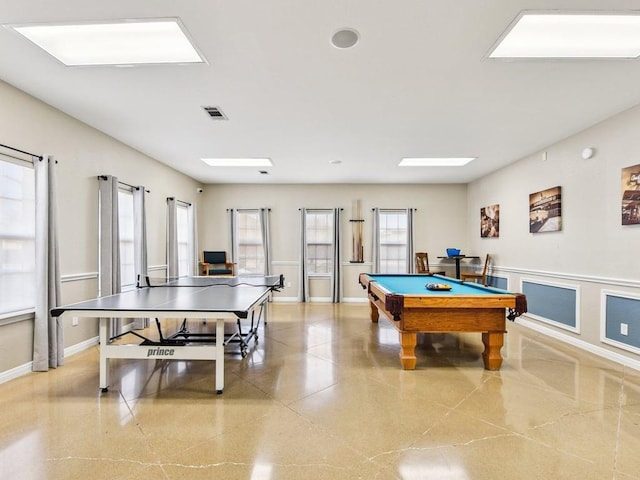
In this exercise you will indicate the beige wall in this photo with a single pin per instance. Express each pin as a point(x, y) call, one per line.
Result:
point(83, 153)
point(593, 251)
point(440, 221)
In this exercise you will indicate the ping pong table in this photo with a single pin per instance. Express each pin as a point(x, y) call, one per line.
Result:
point(214, 298)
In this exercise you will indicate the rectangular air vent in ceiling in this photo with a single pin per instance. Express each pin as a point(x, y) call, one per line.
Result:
point(215, 113)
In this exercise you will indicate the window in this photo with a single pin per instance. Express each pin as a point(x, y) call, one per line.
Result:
point(250, 248)
point(183, 239)
point(125, 226)
point(319, 231)
point(393, 241)
point(17, 237)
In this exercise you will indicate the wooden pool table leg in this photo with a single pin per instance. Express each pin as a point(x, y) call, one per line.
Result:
point(408, 350)
point(374, 312)
point(491, 356)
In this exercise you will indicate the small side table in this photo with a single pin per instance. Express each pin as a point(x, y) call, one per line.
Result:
point(458, 258)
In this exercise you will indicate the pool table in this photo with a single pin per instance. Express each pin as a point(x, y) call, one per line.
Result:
point(466, 307)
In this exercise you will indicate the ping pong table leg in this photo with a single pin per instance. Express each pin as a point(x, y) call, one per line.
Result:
point(104, 361)
point(219, 355)
point(264, 312)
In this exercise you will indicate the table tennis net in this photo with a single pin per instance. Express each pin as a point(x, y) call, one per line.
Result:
point(273, 281)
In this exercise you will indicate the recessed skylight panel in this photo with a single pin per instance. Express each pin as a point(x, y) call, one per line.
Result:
point(568, 35)
point(238, 162)
point(114, 43)
point(435, 162)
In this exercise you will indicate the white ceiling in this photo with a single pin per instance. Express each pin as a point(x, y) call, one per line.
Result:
point(418, 83)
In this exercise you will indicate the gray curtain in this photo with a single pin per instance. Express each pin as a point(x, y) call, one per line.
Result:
point(233, 228)
point(266, 236)
point(109, 268)
point(375, 244)
point(303, 289)
point(48, 342)
point(336, 274)
point(172, 238)
point(410, 241)
point(193, 240)
point(140, 243)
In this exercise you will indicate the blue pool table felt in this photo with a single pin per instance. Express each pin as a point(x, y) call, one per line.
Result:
point(416, 285)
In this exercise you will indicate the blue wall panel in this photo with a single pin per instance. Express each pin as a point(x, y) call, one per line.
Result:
point(497, 282)
point(551, 302)
point(623, 310)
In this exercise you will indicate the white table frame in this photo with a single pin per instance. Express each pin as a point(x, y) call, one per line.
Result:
point(198, 351)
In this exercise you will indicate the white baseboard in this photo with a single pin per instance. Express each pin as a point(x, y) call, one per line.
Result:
point(285, 299)
point(16, 372)
point(355, 300)
point(581, 344)
point(295, 299)
point(320, 299)
point(80, 347)
point(27, 368)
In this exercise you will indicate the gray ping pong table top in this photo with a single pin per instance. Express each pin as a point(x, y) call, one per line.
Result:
point(187, 294)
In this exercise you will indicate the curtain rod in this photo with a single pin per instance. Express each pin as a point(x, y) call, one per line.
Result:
point(339, 208)
point(104, 177)
point(179, 201)
point(133, 186)
point(229, 209)
point(39, 157)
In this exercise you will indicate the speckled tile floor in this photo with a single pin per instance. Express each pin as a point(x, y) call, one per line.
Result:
point(322, 396)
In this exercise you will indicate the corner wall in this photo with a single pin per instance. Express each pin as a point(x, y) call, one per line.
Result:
point(593, 253)
point(83, 153)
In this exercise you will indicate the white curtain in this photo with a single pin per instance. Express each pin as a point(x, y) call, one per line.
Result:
point(303, 289)
point(109, 269)
point(48, 343)
point(375, 254)
point(410, 241)
point(140, 243)
point(173, 257)
point(265, 232)
point(266, 236)
point(336, 274)
point(375, 244)
point(172, 238)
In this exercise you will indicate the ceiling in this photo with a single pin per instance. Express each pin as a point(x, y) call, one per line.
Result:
point(418, 83)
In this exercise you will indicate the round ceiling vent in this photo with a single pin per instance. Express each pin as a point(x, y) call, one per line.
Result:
point(345, 38)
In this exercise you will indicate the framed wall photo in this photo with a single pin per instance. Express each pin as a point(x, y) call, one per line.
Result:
point(545, 210)
point(631, 195)
point(490, 221)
